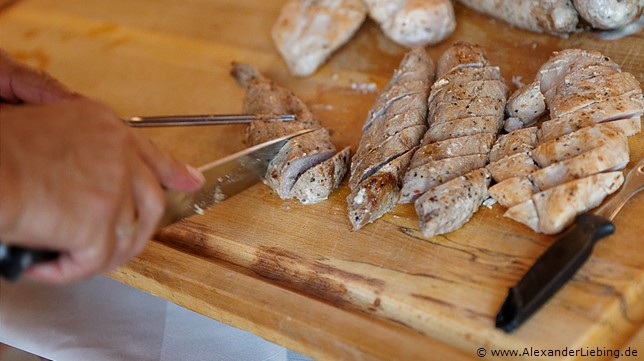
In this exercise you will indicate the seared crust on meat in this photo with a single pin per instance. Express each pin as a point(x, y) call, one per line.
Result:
point(317, 182)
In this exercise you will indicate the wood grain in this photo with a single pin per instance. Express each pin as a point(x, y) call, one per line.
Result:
point(295, 274)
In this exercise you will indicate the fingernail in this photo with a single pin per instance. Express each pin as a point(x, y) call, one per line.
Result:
point(196, 174)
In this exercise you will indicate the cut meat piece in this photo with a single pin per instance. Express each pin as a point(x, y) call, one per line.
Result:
point(526, 104)
point(550, 16)
point(463, 76)
point(609, 14)
point(494, 89)
point(317, 182)
point(520, 140)
point(555, 128)
point(551, 211)
point(471, 144)
point(390, 149)
point(599, 89)
point(448, 206)
point(611, 156)
point(572, 144)
point(515, 165)
point(461, 55)
point(414, 22)
point(479, 107)
point(308, 32)
point(513, 191)
point(412, 79)
point(298, 155)
point(378, 193)
point(462, 127)
point(615, 108)
point(426, 176)
point(263, 96)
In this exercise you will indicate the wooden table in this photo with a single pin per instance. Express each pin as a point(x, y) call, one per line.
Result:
point(295, 274)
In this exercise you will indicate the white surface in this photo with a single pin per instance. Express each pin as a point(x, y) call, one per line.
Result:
point(102, 319)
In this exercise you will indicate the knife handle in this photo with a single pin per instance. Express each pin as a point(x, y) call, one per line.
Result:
point(556, 266)
point(14, 260)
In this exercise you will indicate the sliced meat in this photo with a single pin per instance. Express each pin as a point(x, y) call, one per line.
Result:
point(495, 89)
point(390, 149)
point(609, 14)
point(426, 176)
point(520, 140)
point(298, 155)
point(549, 16)
point(551, 211)
point(526, 105)
point(567, 61)
point(555, 128)
point(377, 194)
point(462, 127)
point(471, 144)
point(317, 182)
point(446, 111)
point(599, 89)
point(513, 191)
point(461, 55)
point(308, 32)
point(414, 22)
point(572, 144)
point(515, 165)
point(447, 207)
point(610, 156)
point(263, 96)
point(462, 76)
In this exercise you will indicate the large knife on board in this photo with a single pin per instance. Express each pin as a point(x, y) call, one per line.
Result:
point(224, 178)
point(565, 256)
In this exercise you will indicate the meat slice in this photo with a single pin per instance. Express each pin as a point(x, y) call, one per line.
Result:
point(513, 190)
point(471, 144)
point(298, 155)
point(520, 140)
point(426, 176)
point(610, 156)
point(377, 194)
point(410, 82)
point(462, 76)
point(599, 89)
point(414, 22)
point(514, 165)
point(449, 206)
point(308, 32)
point(551, 211)
point(446, 111)
point(462, 127)
point(392, 148)
point(317, 182)
point(495, 89)
point(555, 128)
point(550, 16)
point(609, 14)
point(572, 144)
point(526, 105)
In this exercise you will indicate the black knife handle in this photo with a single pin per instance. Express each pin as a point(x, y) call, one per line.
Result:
point(552, 270)
point(15, 260)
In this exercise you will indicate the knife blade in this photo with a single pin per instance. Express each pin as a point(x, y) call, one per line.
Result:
point(224, 178)
point(559, 263)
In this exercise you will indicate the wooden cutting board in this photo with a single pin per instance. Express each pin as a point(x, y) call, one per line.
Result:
point(303, 278)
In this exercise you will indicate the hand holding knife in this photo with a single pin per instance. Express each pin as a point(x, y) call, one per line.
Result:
point(563, 258)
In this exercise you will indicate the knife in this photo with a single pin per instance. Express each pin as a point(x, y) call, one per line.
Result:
point(565, 256)
point(224, 178)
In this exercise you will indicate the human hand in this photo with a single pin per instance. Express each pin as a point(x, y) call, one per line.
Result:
point(75, 179)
